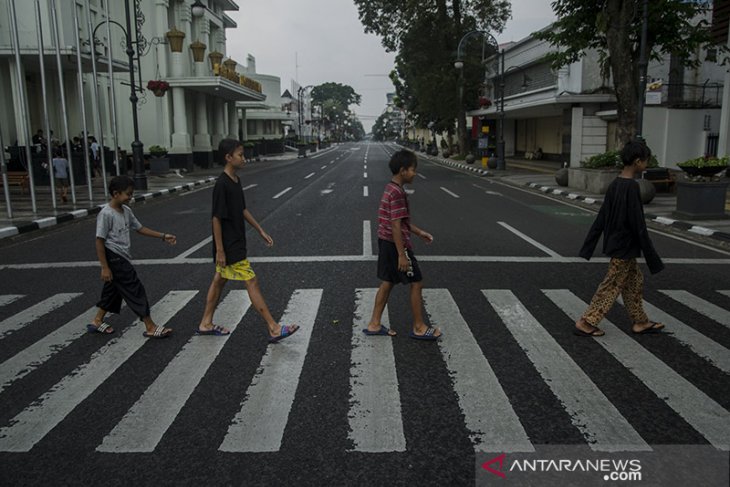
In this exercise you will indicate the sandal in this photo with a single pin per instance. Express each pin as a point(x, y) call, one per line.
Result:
point(103, 328)
point(286, 331)
point(653, 327)
point(160, 332)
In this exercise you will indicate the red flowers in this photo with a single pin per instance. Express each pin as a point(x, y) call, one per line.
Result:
point(485, 102)
point(158, 87)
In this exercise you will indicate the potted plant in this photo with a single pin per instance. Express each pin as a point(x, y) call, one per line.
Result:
point(159, 164)
point(701, 194)
point(158, 87)
point(248, 150)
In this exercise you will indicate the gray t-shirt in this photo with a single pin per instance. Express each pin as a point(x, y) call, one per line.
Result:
point(60, 167)
point(114, 227)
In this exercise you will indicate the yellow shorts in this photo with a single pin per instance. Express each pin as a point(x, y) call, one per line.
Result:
point(239, 271)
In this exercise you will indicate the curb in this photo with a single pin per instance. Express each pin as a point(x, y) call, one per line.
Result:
point(458, 165)
point(662, 220)
point(78, 214)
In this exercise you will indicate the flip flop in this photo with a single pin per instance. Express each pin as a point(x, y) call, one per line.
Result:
point(158, 333)
point(216, 330)
point(384, 331)
point(286, 331)
point(427, 335)
point(92, 328)
point(654, 328)
point(595, 332)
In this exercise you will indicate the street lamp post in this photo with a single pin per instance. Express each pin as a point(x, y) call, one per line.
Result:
point(140, 178)
point(459, 64)
point(300, 106)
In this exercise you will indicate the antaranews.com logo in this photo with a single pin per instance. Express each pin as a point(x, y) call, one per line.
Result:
point(612, 469)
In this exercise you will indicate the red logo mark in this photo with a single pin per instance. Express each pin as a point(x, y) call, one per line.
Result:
point(500, 460)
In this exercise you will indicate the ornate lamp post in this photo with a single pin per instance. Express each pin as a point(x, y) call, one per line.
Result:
point(459, 64)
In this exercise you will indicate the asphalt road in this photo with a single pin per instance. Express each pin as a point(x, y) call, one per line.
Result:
point(327, 407)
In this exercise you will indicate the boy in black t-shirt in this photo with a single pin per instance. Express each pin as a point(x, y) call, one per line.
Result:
point(625, 237)
point(229, 246)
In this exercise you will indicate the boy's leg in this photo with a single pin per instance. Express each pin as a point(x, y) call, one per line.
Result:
point(419, 325)
point(634, 301)
point(381, 299)
point(258, 302)
point(131, 289)
point(110, 301)
point(211, 303)
point(604, 297)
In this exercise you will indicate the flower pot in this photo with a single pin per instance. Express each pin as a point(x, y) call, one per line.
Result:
point(198, 49)
point(159, 165)
point(697, 200)
point(302, 151)
point(706, 171)
point(175, 38)
point(159, 92)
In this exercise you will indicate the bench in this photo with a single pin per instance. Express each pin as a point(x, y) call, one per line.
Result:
point(660, 175)
point(20, 178)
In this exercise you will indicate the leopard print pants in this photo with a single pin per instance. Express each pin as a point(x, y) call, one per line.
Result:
point(623, 276)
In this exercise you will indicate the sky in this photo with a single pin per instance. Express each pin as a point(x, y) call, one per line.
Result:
point(319, 41)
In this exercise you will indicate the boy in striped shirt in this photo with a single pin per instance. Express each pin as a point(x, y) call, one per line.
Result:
point(396, 262)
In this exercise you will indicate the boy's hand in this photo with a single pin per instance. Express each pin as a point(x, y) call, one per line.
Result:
point(220, 258)
point(402, 263)
point(267, 238)
point(427, 237)
point(106, 274)
point(170, 238)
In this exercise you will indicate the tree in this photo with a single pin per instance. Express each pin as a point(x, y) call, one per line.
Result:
point(425, 34)
point(335, 99)
point(613, 28)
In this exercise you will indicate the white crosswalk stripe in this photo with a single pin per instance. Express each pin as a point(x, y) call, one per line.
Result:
point(375, 409)
point(259, 425)
point(702, 306)
point(591, 412)
point(18, 321)
point(35, 421)
point(375, 414)
point(142, 428)
point(490, 418)
point(9, 298)
point(693, 405)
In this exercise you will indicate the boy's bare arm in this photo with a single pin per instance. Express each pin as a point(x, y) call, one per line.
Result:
point(106, 273)
point(252, 221)
point(398, 240)
point(421, 233)
point(220, 253)
point(167, 237)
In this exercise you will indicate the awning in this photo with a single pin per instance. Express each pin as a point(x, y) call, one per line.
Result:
point(217, 86)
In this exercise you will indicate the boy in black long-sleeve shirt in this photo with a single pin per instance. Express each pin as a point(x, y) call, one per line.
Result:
point(625, 237)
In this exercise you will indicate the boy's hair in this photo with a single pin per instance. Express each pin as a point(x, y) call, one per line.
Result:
point(403, 159)
point(227, 146)
point(635, 149)
point(119, 184)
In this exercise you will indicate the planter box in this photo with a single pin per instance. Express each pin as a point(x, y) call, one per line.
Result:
point(302, 151)
point(159, 165)
point(594, 181)
point(701, 200)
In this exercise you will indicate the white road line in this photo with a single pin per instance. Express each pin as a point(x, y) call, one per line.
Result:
point(375, 418)
point(9, 298)
point(365, 191)
point(365, 175)
point(537, 244)
point(449, 192)
point(29, 359)
point(491, 420)
point(324, 167)
point(142, 428)
point(282, 193)
point(250, 186)
point(726, 293)
point(421, 175)
point(590, 411)
point(367, 239)
point(29, 315)
point(38, 419)
point(195, 248)
point(703, 307)
point(259, 425)
point(694, 406)
point(706, 348)
point(309, 175)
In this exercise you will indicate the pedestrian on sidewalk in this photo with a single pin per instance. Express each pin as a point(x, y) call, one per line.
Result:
point(60, 172)
point(113, 248)
point(396, 261)
point(229, 217)
point(625, 237)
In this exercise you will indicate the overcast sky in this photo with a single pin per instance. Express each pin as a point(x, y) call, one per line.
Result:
point(318, 41)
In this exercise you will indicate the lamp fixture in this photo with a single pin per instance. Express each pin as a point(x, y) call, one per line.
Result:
point(198, 9)
point(459, 64)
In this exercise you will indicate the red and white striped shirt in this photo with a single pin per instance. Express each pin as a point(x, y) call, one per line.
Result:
point(394, 206)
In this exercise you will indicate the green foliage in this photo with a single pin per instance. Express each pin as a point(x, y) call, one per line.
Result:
point(606, 160)
point(157, 151)
point(705, 162)
point(336, 99)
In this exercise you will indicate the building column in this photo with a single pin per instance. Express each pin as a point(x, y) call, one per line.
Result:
point(244, 125)
point(219, 122)
point(723, 144)
point(202, 151)
point(232, 120)
point(22, 113)
point(576, 137)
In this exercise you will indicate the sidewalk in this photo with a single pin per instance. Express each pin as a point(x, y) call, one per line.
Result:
point(540, 176)
point(24, 220)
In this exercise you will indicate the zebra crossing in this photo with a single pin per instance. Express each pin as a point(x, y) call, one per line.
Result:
point(375, 414)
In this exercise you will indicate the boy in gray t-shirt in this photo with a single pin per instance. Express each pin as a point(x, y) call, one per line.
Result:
point(113, 248)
